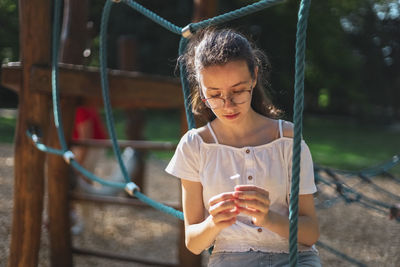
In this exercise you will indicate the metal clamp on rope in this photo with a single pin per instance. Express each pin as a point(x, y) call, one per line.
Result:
point(187, 31)
point(131, 187)
point(35, 133)
point(68, 155)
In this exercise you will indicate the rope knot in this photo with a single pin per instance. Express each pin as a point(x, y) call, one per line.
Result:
point(68, 155)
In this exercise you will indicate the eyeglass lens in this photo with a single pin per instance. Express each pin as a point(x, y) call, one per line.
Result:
point(236, 98)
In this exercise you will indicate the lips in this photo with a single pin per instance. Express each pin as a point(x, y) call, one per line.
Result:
point(231, 116)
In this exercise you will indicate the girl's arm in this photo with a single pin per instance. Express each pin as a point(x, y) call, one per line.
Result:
point(200, 233)
point(308, 230)
point(254, 201)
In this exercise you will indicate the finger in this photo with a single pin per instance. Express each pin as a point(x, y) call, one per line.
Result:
point(222, 207)
point(252, 204)
point(249, 212)
point(221, 197)
point(225, 216)
point(251, 188)
point(227, 223)
point(262, 197)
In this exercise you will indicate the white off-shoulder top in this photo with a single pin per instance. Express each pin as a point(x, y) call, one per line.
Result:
point(268, 166)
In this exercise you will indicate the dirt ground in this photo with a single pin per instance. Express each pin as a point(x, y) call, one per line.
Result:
point(365, 235)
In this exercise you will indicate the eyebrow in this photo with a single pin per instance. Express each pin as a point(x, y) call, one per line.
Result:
point(236, 84)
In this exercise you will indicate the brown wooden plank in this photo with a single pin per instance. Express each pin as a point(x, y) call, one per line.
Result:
point(127, 88)
point(135, 144)
point(11, 76)
point(35, 21)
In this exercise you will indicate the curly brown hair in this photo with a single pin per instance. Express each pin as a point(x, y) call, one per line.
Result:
point(212, 46)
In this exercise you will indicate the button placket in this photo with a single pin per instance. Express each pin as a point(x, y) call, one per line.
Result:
point(248, 166)
point(249, 163)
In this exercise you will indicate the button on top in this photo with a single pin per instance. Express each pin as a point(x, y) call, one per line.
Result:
point(250, 177)
point(259, 230)
point(247, 151)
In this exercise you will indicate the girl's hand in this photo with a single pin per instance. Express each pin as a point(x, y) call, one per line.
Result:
point(253, 201)
point(223, 210)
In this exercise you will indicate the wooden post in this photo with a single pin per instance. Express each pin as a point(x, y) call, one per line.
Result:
point(204, 9)
point(73, 43)
point(58, 187)
point(35, 21)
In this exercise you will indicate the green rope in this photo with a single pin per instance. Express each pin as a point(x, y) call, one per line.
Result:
point(185, 87)
point(153, 16)
point(54, 74)
point(159, 206)
point(238, 13)
point(298, 105)
point(105, 88)
point(109, 117)
point(241, 12)
point(298, 124)
point(374, 171)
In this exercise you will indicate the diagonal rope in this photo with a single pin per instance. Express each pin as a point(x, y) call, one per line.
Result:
point(235, 14)
point(238, 13)
point(298, 124)
point(153, 16)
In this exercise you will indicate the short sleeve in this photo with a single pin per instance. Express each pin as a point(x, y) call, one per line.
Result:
point(307, 183)
point(185, 162)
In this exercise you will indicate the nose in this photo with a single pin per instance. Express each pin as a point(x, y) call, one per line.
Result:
point(229, 102)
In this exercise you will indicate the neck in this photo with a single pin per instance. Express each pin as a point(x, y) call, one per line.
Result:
point(239, 129)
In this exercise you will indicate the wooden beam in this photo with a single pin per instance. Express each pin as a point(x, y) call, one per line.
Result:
point(35, 21)
point(127, 88)
point(11, 76)
point(135, 144)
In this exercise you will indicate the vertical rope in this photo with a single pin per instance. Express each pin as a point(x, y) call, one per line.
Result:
point(298, 125)
point(185, 86)
point(105, 87)
point(54, 74)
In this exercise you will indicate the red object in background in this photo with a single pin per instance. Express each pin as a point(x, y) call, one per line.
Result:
point(89, 114)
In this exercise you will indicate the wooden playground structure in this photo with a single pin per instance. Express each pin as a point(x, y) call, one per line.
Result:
point(79, 86)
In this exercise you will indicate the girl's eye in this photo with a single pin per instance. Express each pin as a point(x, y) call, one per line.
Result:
point(238, 92)
point(213, 96)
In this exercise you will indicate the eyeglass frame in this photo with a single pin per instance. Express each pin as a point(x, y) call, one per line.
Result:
point(230, 98)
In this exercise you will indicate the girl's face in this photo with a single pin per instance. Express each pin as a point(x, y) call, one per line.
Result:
point(231, 82)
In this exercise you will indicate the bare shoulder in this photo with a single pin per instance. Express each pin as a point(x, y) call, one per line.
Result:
point(287, 129)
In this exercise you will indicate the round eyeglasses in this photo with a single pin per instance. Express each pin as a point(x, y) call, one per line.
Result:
point(237, 98)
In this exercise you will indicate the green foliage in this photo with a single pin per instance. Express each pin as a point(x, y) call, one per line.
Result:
point(7, 129)
point(8, 31)
point(349, 144)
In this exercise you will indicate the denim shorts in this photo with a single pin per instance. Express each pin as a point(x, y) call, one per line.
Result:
point(258, 259)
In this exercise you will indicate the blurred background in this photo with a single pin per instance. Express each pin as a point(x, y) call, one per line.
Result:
point(352, 81)
point(351, 119)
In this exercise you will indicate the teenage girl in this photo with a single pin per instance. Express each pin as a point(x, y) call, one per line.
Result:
point(236, 170)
